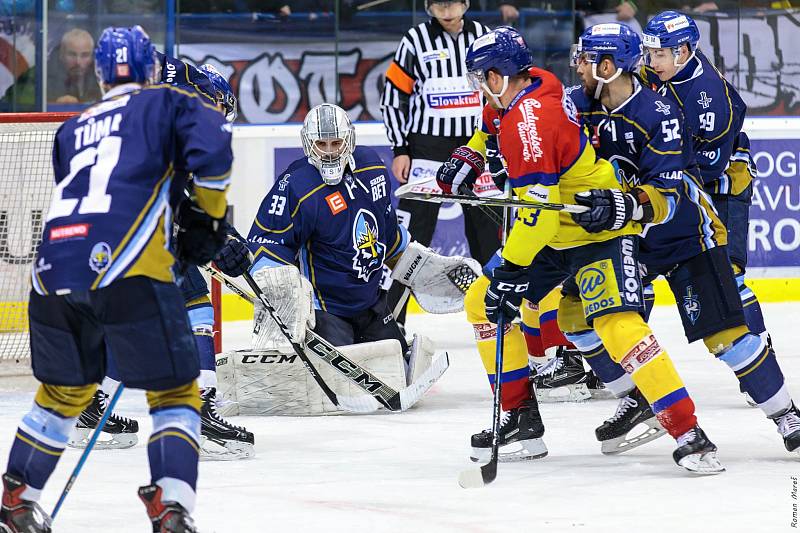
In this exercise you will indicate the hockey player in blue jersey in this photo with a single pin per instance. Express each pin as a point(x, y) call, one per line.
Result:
point(104, 285)
point(219, 438)
point(645, 137)
point(714, 111)
point(330, 213)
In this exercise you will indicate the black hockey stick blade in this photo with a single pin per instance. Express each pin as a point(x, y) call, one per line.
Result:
point(475, 478)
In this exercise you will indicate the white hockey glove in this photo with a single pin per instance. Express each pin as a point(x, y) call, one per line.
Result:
point(292, 297)
point(438, 282)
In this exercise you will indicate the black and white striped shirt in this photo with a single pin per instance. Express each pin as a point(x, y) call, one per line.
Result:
point(427, 91)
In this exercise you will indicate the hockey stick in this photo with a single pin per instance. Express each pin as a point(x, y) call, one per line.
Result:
point(420, 185)
point(356, 405)
point(85, 455)
point(387, 396)
point(487, 201)
point(474, 478)
point(479, 477)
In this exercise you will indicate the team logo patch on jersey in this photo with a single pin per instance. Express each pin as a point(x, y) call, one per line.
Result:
point(100, 257)
point(691, 304)
point(598, 287)
point(625, 170)
point(704, 101)
point(370, 252)
point(336, 202)
point(661, 107)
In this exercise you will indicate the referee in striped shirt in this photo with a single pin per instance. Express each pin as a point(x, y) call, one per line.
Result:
point(429, 110)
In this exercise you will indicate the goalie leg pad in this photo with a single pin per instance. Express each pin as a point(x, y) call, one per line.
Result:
point(292, 297)
point(438, 282)
point(267, 382)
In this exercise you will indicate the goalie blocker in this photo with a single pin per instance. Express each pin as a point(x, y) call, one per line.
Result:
point(268, 382)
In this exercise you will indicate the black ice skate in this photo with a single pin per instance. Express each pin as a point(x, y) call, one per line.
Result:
point(118, 433)
point(521, 431)
point(632, 411)
point(789, 428)
point(596, 387)
point(562, 378)
point(219, 439)
point(18, 515)
point(696, 453)
point(166, 517)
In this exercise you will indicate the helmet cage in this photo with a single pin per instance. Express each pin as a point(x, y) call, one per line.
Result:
point(328, 122)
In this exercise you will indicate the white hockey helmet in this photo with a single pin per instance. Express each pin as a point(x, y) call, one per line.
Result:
point(323, 126)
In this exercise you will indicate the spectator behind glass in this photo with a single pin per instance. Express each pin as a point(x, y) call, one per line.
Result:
point(71, 79)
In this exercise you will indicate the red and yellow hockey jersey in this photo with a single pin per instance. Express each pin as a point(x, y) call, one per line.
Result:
point(549, 159)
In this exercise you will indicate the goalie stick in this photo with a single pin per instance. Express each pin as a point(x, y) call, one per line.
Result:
point(380, 392)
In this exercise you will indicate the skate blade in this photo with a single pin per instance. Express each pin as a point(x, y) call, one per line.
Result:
point(79, 439)
point(228, 450)
point(625, 443)
point(568, 393)
point(705, 464)
point(514, 452)
point(601, 394)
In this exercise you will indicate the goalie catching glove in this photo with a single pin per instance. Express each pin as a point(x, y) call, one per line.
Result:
point(611, 209)
point(438, 282)
point(463, 168)
point(292, 296)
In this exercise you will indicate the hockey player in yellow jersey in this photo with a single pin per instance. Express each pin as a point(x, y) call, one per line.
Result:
point(550, 160)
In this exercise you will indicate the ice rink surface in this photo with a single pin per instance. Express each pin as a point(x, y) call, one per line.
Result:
point(398, 472)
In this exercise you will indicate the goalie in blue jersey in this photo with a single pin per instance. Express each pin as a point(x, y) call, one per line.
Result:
point(103, 285)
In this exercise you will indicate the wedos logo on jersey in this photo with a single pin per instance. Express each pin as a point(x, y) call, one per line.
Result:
point(370, 252)
point(100, 257)
point(528, 131)
point(454, 100)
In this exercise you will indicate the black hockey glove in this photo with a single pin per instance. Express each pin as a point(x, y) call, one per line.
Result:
point(234, 259)
point(507, 287)
point(495, 161)
point(610, 209)
point(199, 236)
point(462, 169)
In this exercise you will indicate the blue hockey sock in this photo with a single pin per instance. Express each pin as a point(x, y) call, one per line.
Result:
point(40, 440)
point(201, 318)
point(752, 309)
point(173, 453)
point(610, 373)
point(757, 369)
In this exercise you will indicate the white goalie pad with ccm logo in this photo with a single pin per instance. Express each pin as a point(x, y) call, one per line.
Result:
point(438, 282)
point(270, 383)
point(291, 295)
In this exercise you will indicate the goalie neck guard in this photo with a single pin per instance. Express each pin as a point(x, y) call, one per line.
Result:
point(322, 128)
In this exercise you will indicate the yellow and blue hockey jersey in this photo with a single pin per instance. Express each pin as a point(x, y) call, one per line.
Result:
point(646, 141)
point(111, 212)
point(339, 235)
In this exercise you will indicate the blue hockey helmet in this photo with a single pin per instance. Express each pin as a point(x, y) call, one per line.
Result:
point(670, 29)
point(124, 55)
point(222, 89)
point(502, 50)
point(616, 40)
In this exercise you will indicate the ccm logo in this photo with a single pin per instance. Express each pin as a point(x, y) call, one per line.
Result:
point(508, 287)
point(336, 202)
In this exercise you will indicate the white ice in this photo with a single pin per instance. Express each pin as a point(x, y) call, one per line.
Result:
point(398, 472)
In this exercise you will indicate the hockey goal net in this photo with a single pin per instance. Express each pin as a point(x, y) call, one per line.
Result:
point(26, 184)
